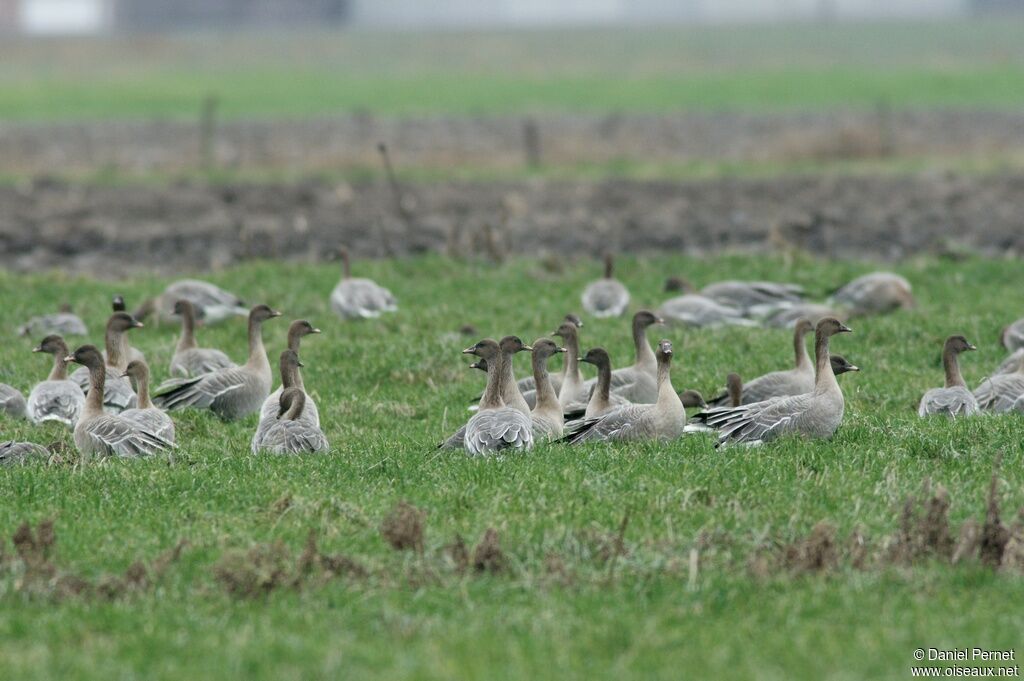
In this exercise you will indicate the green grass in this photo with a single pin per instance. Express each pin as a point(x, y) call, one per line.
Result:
point(956, 64)
point(388, 390)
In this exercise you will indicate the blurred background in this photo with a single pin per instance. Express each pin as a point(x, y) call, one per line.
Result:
point(198, 133)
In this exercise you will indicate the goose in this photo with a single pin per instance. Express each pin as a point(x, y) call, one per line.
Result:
point(637, 383)
point(875, 293)
point(1012, 336)
point(841, 365)
point(101, 434)
point(212, 304)
point(692, 399)
point(146, 416)
point(546, 416)
point(270, 411)
point(694, 309)
point(63, 323)
point(359, 298)
point(12, 452)
point(815, 414)
point(602, 399)
point(663, 420)
point(291, 376)
point(119, 395)
point(1011, 363)
point(813, 312)
point(129, 353)
point(117, 303)
point(56, 398)
point(572, 390)
point(12, 402)
point(998, 392)
point(606, 297)
point(510, 394)
point(954, 399)
point(495, 427)
point(754, 298)
point(232, 393)
point(795, 381)
point(189, 359)
point(1018, 406)
point(527, 385)
point(291, 433)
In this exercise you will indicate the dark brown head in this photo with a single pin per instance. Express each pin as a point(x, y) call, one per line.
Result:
point(545, 347)
point(803, 326)
point(513, 344)
point(53, 345)
point(692, 399)
point(830, 326)
point(117, 303)
point(290, 360)
point(566, 330)
point(678, 285)
point(598, 357)
point(138, 370)
point(574, 320)
point(122, 321)
point(480, 364)
point(958, 344)
point(261, 313)
point(645, 318)
point(840, 365)
point(300, 328)
point(87, 355)
point(292, 400)
point(609, 266)
point(183, 307)
point(487, 349)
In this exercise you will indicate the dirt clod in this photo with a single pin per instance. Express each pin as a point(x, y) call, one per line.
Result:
point(404, 528)
point(488, 556)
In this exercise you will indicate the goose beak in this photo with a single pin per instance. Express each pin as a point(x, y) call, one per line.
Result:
point(843, 328)
point(301, 364)
point(854, 367)
point(561, 350)
point(69, 358)
point(528, 348)
point(137, 324)
point(659, 320)
point(124, 375)
point(38, 348)
point(469, 351)
point(972, 347)
point(275, 313)
point(316, 330)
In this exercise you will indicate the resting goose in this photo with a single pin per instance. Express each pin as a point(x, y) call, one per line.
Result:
point(875, 293)
point(572, 389)
point(63, 323)
point(1012, 336)
point(527, 385)
point(954, 399)
point(510, 394)
point(129, 353)
point(606, 297)
point(56, 398)
point(815, 414)
point(999, 392)
point(795, 381)
point(102, 434)
point(119, 394)
point(291, 377)
point(637, 383)
point(232, 393)
point(212, 304)
point(359, 298)
point(291, 433)
point(694, 309)
point(1011, 363)
point(12, 402)
point(189, 359)
point(754, 298)
point(495, 427)
point(602, 399)
point(663, 420)
point(813, 312)
point(546, 416)
point(146, 416)
point(20, 452)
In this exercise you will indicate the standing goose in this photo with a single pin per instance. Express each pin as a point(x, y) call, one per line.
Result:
point(954, 399)
point(291, 433)
point(572, 389)
point(795, 381)
point(56, 398)
point(815, 414)
point(102, 434)
point(12, 402)
point(212, 304)
point(754, 298)
point(146, 416)
point(694, 309)
point(231, 393)
point(270, 411)
point(119, 394)
point(63, 323)
point(21, 452)
point(1012, 336)
point(359, 298)
point(875, 293)
point(606, 297)
point(546, 417)
point(495, 427)
point(663, 420)
point(189, 359)
point(998, 393)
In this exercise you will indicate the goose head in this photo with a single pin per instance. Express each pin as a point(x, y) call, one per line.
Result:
point(574, 320)
point(545, 347)
point(959, 344)
point(88, 356)
point(117, 303)
point(830, 326)
point(565, 331)
point(513, 344)
point(261, 313)
point(136, 369)
point(480, 364)
point(691, 399)
point(664, 349)
point(122, 321)
point(182, 307)
point(300, 327)
point(53, 345)
point(487, 349)
point(597, 356)
point(645, 318)
point(679, 285)
point(841, 365)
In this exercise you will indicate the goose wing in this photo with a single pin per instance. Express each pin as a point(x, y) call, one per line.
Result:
point(956, 401)
point(201, 391)
point(629, 422)
point(117, 436)
point(17, 452)
point(760, 421)
point(199, 361)
point(12, 401)
point(293, 437)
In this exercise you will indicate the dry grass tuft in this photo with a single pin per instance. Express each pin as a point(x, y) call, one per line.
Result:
point(404, 528)
point(488, 556)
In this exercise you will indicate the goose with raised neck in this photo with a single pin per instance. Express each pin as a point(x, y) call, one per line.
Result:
point(546, 416)
point(663, 420)
point(602, 399)
point(358, 297)
point(125, 351)
point(291, 432)
point(190, 360)
point(290, 366)
point(953, 399)
point(637, 383)
point(572, 389)
point(795, 381)
point(606, 297)
point(510, 394)
point(527, 385)
point(56, 398)
point(816, 414)
point(495, 427)
point(146, 416)
point(118, 394)
point(231, 393)
point(98, 433)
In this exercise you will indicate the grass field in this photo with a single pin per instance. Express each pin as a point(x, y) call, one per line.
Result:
point(562, 607)
point(977, 63)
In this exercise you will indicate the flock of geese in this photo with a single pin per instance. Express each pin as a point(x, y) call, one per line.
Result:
point(107, 399)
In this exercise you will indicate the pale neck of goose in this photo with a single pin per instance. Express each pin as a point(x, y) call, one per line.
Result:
point(492, 394)
point(59, 372)
point(117, 349)
point(346, 266)
point(802, 359)
point(97, 382)
point(601, 398)
point(295, 410)
point(666, 393)
point(257, 352)
point(141, 385)
point(645, 358)
point(951, 364)
point(294, 341)
point(187, 340)
point(547, 400)
point(825, 380)
point(571, 367)
point(510, 393)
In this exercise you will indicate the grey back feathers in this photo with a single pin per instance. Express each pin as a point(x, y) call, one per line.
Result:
point(606, 297)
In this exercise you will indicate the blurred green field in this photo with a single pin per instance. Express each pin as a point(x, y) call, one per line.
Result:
point(388, 390)
point(976, 63)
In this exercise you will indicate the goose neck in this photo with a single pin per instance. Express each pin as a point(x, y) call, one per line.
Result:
point(546, 398)
point(802, 360)
point(187, 340)
point(492, 394)
point(59, 372)
point(951, 365)
point(825, 379)
point(644, 355)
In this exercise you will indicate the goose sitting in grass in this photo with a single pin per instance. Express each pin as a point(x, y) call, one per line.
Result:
point(56, 398)
point(1012, 337)
point(359, 298)
point(954, 399)
point(290, 433)
point(637, 383)
point(12, 402)
point(875, 293)
point(546, 416)
point(999, 392)
point(189, 359)
point(212, 304)
point(754, 298)
point(785, 318)
point(816, 414)
point(146, 416)
point(118, 391)
point(795, 381)
point(694, 309)
point(663, 420)
point(495, 427)
point(12, 452)
point(63, 323)
point(291, 375)
point(606, 297)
